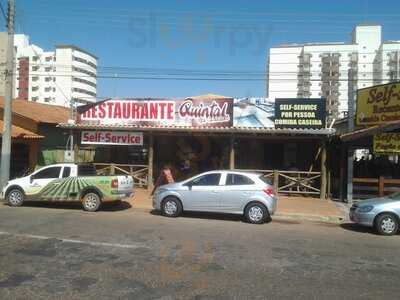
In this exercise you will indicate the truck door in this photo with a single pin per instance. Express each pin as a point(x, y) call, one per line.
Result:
point(44, 182)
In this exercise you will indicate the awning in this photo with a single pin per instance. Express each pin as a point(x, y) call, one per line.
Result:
point(21, 133)
point(370, 131)
point(262, 130)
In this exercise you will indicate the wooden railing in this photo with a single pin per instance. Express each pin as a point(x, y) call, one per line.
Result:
point(370, 187)
point(138, 172)
point(293, 182)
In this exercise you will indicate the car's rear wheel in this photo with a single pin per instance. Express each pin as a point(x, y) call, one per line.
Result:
point(387, 224)
point(171, 207)
point(91, 202)
point(256, 213)
point(15, 197)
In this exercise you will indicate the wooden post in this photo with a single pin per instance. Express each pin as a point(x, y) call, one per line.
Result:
point(341, 174)
point(232, 153)
point(33, 153)
point(76, 147)
point(381, 187)
point(349, 174)
point(112, 169)
point(328, 192)
point(323, 171)
point(150, 183)
point(276, 181)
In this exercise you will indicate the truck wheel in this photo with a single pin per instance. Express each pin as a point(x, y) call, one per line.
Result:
point(15, 197)
point(91, 202)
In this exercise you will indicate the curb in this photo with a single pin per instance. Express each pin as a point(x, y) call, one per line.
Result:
point(333, 219)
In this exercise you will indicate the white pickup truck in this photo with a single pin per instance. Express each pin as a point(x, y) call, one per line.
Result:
point(68, 182)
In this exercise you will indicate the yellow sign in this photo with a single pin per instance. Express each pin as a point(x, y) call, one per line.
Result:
point(378, 104)
point(387, 143)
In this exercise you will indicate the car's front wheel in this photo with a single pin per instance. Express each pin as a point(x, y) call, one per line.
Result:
point(171, 207)
point(387, 224)
point(15, 197)
point(91, 202)
point(256, 213)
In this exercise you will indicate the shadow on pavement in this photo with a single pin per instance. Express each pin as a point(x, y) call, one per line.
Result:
point(209, 216)
point(357, 228)
point(111, 206)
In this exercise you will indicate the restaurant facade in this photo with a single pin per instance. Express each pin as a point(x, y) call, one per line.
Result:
point(285, 141)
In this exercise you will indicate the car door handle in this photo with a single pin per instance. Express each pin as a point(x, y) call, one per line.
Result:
point(215, 192)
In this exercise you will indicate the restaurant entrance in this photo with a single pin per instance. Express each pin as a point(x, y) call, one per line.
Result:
point(189, 155)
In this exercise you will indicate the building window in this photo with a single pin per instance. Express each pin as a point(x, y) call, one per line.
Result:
point(35, 78)
point(47, 69)
point(82, 91)
point(76, 69)
point(35, 58)
point(47, 79)
point(48, 58)
point(84, 81)
point(35, 68)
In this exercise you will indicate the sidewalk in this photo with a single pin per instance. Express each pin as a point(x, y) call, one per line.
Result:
point(293, 208)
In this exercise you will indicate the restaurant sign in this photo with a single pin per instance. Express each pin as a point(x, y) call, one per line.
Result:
point(112, 137)
point(378, 104)
point(300, 113)
point(210, 112)
point(387, 143)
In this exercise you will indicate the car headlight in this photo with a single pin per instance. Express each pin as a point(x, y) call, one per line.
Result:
point(159, 191)
point(365, 209)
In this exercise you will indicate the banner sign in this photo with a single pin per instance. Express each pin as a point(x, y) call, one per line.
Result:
point(300, 113)
point(112, 137)
point(378, 104)
point(387, 143)
point(194, 112)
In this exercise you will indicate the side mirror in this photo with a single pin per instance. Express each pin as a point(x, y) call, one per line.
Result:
point(189, 185)
point(30, 179)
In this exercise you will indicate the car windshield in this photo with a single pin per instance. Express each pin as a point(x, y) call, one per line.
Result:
point(395, 196)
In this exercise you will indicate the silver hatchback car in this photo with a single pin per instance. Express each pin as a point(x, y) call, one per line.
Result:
point(234, 192)
point(381, 213)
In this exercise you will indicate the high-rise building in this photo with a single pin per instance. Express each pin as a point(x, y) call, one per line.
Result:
point(333, 70)
point(66, 76)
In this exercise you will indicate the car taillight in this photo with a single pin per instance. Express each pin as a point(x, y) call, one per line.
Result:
point(114, 183)
point(269, 191)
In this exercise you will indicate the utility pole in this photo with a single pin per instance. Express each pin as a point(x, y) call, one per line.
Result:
point(350, 128)
point(8, 93)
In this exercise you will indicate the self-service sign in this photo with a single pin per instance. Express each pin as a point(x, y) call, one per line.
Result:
point(112, 137)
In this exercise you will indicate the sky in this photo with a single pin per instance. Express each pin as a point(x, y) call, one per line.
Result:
point(180, 48)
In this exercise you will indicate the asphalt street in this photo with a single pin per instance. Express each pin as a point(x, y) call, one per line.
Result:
point(62, 252)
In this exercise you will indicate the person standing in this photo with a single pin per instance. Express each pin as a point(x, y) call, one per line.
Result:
point(165, 177)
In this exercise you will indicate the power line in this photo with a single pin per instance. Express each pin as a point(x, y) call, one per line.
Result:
point(122, 11)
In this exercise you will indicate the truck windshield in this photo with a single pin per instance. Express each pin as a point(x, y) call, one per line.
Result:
point(86, 170)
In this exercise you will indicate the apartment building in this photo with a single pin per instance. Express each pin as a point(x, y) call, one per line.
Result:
point(64, 77)
point(333, 71)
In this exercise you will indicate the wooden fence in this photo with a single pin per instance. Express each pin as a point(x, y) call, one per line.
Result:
point(138, 172)
point(372, 187)
point(293, 182)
